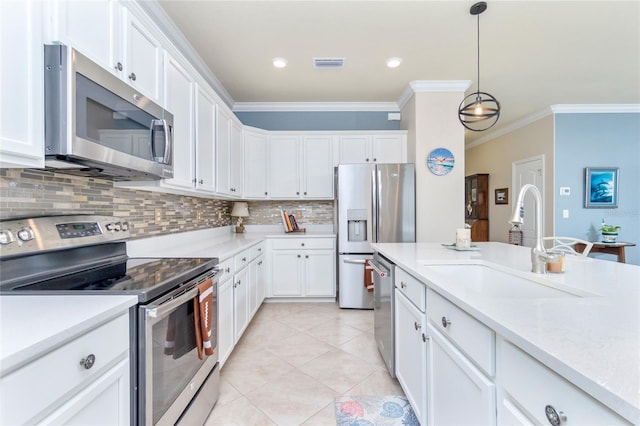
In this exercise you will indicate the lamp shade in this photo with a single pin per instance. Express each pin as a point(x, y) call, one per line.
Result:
point(240, 209)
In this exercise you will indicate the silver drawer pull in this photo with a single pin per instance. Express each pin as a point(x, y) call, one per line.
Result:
point(417, 326)
point(88, 362)
point(555, 418)
point(445, 322)
point(402, 284)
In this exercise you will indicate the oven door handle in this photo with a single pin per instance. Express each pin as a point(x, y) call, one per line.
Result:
point(379, 269)
point(159, 310)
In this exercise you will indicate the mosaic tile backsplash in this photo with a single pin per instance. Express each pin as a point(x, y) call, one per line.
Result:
point(28, 193)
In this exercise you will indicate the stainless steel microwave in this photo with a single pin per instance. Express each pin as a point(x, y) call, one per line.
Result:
point(97, 125)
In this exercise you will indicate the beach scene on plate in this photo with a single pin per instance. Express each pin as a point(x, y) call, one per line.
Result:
point(440, 161)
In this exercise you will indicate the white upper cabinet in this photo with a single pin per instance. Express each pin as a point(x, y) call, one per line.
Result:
point(301, 166)
point(236, 160)
point(22, 59)
point(179, 101)
point(380, 147)
point(256, 166)
point(143, 59)
point(284, 166)
point(205, 140)
point(110, 35)
point(228, 153)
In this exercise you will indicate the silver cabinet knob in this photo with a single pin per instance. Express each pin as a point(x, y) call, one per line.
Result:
point(244, 259)
point(555, 418)
point(417, 326)
point(265, 193)
point(88, 362)
point(424, 337)
point(132, 76)
point(118, 66)
point(298, 256)
point(402, 284)
point(367, 159)
point(375, 159)
point(297, 192)
point(201, 181)
point(445, 322)
point(306, 256)
point(305, 192)
point(227, 269)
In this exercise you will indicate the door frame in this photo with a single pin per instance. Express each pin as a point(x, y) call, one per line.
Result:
point(541, 188)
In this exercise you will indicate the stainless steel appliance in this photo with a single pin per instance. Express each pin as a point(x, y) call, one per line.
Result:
point(97, 125)
point(383, 311)
point(69, 254)
point(375, 203)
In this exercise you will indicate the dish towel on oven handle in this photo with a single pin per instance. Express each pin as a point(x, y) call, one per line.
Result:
point(203, 309)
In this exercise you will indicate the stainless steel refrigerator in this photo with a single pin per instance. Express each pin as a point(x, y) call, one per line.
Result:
point(375, 203)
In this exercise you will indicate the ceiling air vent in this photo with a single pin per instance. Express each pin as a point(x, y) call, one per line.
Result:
point(328, 62)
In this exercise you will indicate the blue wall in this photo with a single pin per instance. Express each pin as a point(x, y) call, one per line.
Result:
point(598, 140)
point(319, 120)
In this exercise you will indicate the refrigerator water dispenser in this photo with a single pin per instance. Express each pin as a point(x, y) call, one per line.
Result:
point(357, 225)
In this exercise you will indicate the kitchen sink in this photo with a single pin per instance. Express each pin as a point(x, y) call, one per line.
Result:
point(489, 282)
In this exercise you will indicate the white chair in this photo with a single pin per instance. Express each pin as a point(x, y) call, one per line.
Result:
point(567, 245)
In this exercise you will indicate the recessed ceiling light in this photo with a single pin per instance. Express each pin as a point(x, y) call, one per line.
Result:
point(279, 62)
point(394, 62)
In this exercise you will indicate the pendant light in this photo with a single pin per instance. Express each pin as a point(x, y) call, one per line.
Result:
point(479, 111)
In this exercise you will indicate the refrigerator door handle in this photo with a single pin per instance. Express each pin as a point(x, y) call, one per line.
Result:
point(375, 207)
point(355, 261)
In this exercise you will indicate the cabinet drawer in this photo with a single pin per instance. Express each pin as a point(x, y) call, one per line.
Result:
point(228, 268)
point(475, 339)
point(411, 287)
point(242, 259)
point(50, 380)
point(257, 250)
point(302, 243)
point(534, 387)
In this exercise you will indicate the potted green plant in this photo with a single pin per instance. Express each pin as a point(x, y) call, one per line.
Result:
point(609, 233)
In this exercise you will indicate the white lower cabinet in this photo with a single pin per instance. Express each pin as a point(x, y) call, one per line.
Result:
point(530, 393)
point(459, 393)
point(74, 392)
point(225, 311)
point(303, 267)
point(411, 353)
point(257, 281)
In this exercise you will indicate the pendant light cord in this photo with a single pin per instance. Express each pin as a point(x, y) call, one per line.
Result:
point(478, 52)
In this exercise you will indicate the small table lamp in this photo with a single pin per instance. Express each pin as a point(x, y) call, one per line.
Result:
point(240, 210)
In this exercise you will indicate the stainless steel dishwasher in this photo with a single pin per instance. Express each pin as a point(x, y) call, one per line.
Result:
point(383, 311)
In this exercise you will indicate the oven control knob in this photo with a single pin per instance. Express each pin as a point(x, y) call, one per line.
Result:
point(111, 227)
point(6, 237)
point(117, 226)
point(125, 226)
point(25, 234)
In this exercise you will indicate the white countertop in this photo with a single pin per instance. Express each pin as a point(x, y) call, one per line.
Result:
point(33, 325)
point(216, 242)
point(593, 341)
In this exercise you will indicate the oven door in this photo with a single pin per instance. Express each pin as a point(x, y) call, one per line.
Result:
point(170, 371)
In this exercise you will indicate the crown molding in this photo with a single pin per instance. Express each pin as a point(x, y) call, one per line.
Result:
point(510, 128)
point(595, 108)
point(315, 106)
point(432, 86)
point(175, 36)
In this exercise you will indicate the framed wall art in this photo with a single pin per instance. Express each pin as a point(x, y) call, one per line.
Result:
point(601, 187)
point(502, 195)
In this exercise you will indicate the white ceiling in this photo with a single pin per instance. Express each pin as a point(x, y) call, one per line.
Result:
point(533, 54)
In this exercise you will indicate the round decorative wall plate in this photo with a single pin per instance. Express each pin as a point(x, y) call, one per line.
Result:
point(440, 161)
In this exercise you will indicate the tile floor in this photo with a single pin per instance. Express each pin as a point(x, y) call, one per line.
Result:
point(293, 360)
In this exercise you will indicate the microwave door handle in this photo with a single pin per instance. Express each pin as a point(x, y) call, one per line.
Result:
point(168, 141)
point(159, 310)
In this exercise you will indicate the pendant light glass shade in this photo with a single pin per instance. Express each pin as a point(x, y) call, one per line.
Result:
point(479, 111)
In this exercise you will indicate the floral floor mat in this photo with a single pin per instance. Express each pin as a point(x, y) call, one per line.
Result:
point(390, 410)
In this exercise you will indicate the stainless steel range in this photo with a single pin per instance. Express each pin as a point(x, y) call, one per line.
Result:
point(173, 380)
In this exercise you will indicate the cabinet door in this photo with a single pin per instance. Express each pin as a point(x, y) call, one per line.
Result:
point(105, 401)
point(236, 160)
point(92, 27)
point(179, 101)
point(223, 150)
point(143, 63)
point(453, 381)
point(284, 167)
point(21, 112)
point(411, 353)
point(319, 273)
point(205, 141)
point(261, 280)
point(388, 149)
point(286, 277)
point(354, 149)
point(256, 151)
point(225, 319)
point(317, 167)
point(241, 303)
point(252, 297)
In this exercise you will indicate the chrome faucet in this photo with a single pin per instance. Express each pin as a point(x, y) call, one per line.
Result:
point(539, 256)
